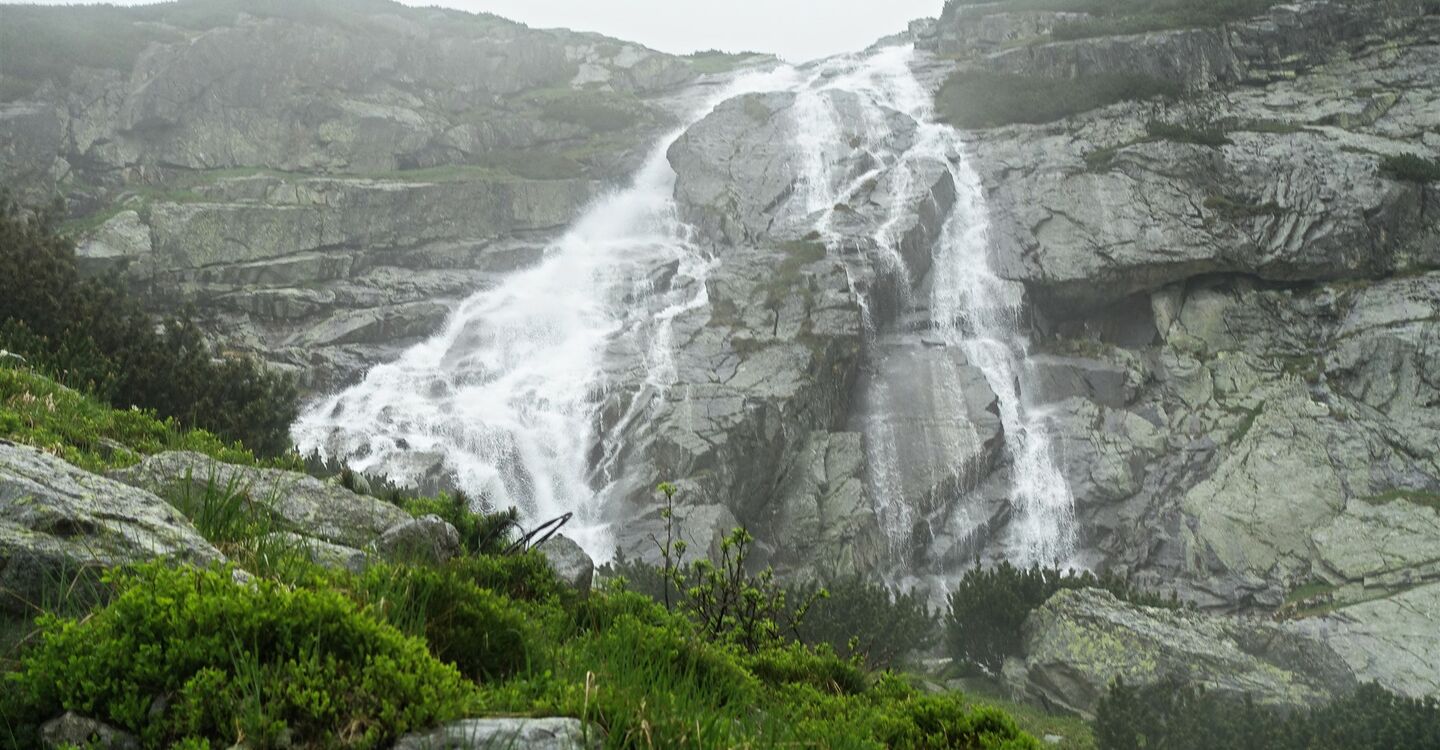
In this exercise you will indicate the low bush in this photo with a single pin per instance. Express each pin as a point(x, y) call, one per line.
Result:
point(186, 653)
point(1180, 716)
point(88, 334)
point(1410, 168)
point(989, 606)
point(978, 99)
point(481, 632)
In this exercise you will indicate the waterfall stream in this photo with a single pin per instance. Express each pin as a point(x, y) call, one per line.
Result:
point(506, 396)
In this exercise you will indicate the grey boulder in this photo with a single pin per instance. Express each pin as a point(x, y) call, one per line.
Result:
point(570, 563)
point(56, 519)
point(73, 730)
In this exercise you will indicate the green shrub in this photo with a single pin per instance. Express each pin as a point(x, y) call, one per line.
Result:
point(1410, 168)
point(1180, 716)
point(186, 653)
point(797, 664)
point(484, 634)
point(522, 577)
point(943, 721)
point(89, 335)
point(860, 618)
point(989, 606)
point(978, 99)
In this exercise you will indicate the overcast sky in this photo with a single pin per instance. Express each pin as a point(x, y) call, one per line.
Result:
point(797, 30)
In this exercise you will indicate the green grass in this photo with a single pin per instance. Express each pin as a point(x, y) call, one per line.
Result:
point(976, 99)
point(36, 411)
point(1309, 590)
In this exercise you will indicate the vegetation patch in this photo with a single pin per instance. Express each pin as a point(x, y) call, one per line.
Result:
point(1213, 137)
point(189, 654)
point(1418, 497)
point(37, 411)
point(977, 99)
point(324, 658)
point(712, 61)
point(1410, 168)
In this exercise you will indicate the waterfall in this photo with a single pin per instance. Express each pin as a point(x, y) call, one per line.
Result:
point(506, 398)
point(970, 307)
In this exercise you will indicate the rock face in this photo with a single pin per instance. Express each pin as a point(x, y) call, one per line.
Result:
point(476, 734)
point(321, 510)
point(56, 520)
point(1233, 336)
point(321, 184)
point(1080, 641)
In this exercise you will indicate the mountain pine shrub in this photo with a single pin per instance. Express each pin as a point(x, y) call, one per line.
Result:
point(1180, 716)
point(89, 335)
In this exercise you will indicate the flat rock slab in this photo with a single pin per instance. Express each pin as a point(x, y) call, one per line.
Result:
point(322, 510)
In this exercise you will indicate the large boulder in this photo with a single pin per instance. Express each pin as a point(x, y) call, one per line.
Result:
point(322, 510)
point(571, 565)
point(1080, 641)
point(56, 520)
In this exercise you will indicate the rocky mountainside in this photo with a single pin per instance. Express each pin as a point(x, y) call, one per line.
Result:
point(1189, 337)
point(1237, 337)
point(319, 180)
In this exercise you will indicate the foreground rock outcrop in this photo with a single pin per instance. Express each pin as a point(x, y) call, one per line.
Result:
point(57, 521)
point(323, 510)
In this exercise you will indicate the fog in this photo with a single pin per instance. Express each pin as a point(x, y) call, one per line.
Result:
point(797, 30)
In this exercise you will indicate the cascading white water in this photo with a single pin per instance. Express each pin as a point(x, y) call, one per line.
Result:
point(970, 307)
point(507, 396)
